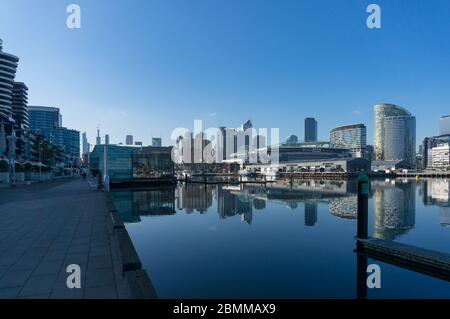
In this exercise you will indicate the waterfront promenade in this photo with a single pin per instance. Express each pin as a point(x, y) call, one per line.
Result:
point(46, 227)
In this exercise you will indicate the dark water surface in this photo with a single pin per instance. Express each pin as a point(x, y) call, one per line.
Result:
point(282, 241)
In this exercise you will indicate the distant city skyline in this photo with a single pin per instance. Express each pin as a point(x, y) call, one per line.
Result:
point(204, 61)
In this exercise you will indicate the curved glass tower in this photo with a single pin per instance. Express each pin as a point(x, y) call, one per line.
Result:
point(400, 139)
point(381, 112)
point(8, 68)
point(444, 125)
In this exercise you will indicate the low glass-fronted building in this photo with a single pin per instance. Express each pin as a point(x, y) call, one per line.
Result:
point(133, 164)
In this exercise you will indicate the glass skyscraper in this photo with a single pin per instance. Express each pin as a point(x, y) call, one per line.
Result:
point(400, 122)
point(310, 130)
point(352, 137)
point(44, 120)
point(444, 125)
point(400, 139)
point(68, 139)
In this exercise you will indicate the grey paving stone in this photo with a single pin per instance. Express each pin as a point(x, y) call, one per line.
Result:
point(101, 292)
point(9, 293)
point(37, 285)
point(3, 270)
point(78, 249)
point(38, 227)
point(28, 263)
point(38, 296)
point(97, 262)
point(8, 260)
point(67, 293)
point(54, 256)
point(99, 277)
point(76, 259)
point(100, 251)
point(48, 267)
point(14, 278)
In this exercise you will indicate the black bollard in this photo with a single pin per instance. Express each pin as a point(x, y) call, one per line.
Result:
point(361, 276)
point(363, 205)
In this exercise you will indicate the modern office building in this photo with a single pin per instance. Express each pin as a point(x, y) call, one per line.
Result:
point(156, 142)
point(310, 130)
point(20, 105)
point(44, 120)
point(400, 139)
point(138, 143)
point(8, 68)
point(132, 164)
point(352, 137)
point(439, 156)
point(292, 139)
point(69, 140)
point(381, 112)
point(129, 140)
point(444, 125)
point(431, 142)
point(395, 134)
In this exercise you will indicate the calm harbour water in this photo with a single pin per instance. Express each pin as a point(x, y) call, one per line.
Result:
point(282, 241)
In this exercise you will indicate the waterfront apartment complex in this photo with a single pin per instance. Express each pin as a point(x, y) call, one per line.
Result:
point(430, 143)
point(395, 134)
point(19, 105)
point(352, 137)
point(439, 156)
point(8, 68)
point(310, 129)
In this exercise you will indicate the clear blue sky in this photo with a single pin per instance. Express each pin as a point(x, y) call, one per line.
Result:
point(146, 67)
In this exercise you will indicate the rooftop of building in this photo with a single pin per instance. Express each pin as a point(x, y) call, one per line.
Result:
point(348, 127)
point(43, 108)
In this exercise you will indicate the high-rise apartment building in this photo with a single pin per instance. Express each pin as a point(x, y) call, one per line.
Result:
point(20, 105)
point(8, 68)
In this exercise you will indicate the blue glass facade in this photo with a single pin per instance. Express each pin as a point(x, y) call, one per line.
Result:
point(44, 120)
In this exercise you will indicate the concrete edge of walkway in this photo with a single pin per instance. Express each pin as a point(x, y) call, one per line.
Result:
point(138, 280)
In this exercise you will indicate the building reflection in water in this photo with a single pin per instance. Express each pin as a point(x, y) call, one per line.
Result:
point(436, 192)
point(395, 204)
point(195, 197)
point(310, 213)
point(394, 201)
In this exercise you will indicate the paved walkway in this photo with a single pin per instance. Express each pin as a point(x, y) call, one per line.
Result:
point(46, 227)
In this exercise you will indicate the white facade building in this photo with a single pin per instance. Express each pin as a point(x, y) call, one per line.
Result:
point(439, 157)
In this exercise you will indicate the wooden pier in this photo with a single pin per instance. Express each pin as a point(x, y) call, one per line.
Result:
point(428, 262)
